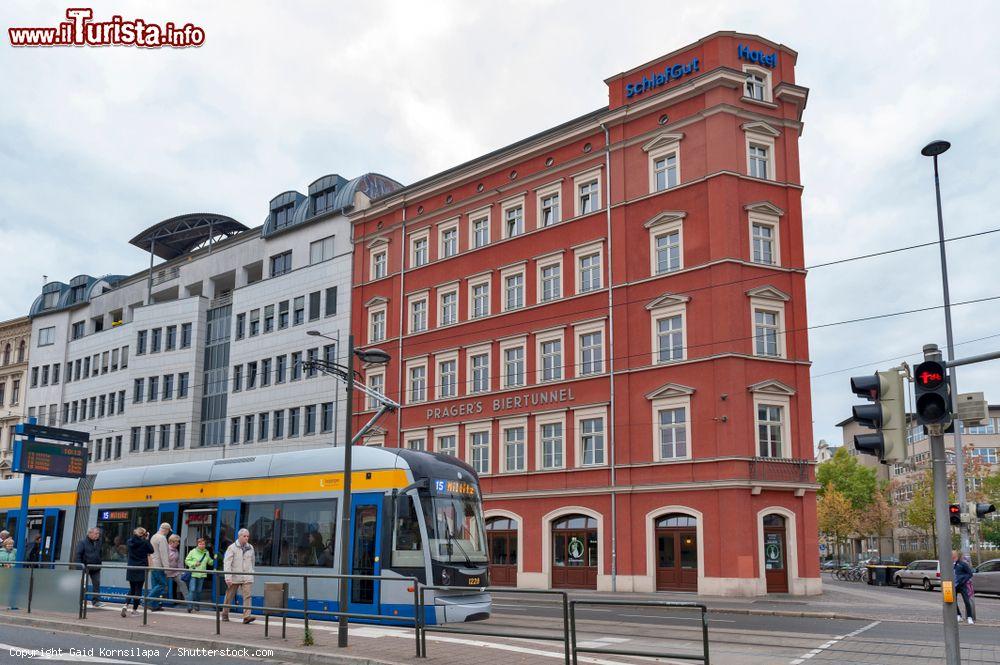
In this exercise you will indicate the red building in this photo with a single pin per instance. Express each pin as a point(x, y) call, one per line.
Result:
point(608, 321)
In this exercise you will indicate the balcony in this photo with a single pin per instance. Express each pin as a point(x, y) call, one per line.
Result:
point(161, 276)
point(776, 470)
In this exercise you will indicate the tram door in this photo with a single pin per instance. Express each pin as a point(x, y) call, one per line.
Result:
point(50, 535)
point(366, 513)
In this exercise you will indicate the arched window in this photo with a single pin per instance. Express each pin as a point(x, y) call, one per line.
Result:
point(501, 524)
point(574, 522)
point(774, 520)
point(676, 520)
point(6, 354)
point(20, 352)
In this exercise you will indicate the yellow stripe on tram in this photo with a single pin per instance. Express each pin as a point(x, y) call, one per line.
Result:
point(226, 489)
point(49, 500)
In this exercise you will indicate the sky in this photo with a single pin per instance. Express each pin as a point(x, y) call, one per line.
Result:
point(96, 144)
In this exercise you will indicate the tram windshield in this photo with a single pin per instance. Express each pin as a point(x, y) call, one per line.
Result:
point(455, 528)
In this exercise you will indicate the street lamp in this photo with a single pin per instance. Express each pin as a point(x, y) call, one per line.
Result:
point(347, 373)
point(933, 149)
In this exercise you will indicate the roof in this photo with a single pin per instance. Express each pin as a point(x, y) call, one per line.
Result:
point(372, 185)
point(179, 235)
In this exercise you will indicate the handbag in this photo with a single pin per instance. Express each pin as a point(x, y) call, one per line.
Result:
point(186, 577)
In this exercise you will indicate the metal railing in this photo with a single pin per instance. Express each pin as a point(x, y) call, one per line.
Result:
point(612, 651)
point(165, 275)
point(423, 629)
point(779, 470)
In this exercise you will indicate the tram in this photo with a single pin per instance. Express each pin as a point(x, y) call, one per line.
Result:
point(412, 515)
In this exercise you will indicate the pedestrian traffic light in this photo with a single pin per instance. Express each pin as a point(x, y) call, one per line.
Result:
point(955, 514)
point(887, 415)
point(980, 510)
point(932, 393)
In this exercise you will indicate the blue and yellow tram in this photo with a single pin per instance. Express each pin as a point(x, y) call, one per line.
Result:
point(412, 514)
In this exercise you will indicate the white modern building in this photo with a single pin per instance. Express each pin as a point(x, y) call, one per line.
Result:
point(201, 356)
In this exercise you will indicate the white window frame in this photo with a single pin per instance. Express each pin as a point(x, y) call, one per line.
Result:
point(423, 235)
point(370, 403)
point(486, 350)
point(440, 432)
point(656, 315)
point(505, 274)
point(659, 229)
point(373, 310)
point(383, 251)
point(586, 329)
point(664, 404)
point(439, 359)
point(473, 282)
point(510, 204)
point(450, 289)
point(783, 401)
point(442, 229)
point(661, 152)
point(475, 216)
point(479, 428)
point(764, 219)
point(765, 141)
point(549, 419)
point(540, 265)
point(584, 179)
point(770, 305)
point(579, 254)
point(508, 424)
point(410, 366)
point(543, 193)
point(579, 415)
point(540, 339)
point(415, 435)
point(765, 74)
point(412, 302)
point(507, 345)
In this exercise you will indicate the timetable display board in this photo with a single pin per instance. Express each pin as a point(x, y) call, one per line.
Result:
point(49, 459)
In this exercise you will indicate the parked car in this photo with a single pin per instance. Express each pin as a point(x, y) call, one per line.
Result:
point(987, 577)
point(830, 564)
point(923, 572)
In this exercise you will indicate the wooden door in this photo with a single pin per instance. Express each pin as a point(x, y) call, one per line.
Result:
point(775, 554)
point(501, 534)
point(574, 553)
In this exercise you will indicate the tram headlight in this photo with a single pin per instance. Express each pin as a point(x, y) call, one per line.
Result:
point(446, 577)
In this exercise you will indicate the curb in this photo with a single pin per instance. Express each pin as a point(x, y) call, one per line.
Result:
point(148, 637)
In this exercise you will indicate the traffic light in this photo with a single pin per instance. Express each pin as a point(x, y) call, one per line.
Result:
point(932, 393)
point(980, 510)
point(955, 514)
point(887, 415)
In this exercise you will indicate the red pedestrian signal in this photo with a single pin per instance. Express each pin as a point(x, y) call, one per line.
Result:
point(931, 391)
point(955, 514)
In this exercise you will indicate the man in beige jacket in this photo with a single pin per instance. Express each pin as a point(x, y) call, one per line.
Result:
point(158, 560)
point(238, 568)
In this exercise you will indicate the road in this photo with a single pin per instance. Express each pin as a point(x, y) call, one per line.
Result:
point(22, 644)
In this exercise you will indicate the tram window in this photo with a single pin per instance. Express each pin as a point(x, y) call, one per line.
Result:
point(260, 522)
point(308, 533)
point(407, 545)
point(115, 533)
point(146, 518)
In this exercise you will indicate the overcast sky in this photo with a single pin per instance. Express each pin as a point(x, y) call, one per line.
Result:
point(96, 144)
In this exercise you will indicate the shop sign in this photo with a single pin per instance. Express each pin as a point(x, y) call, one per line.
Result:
point(575, 549)
point(743, 52)
point(772, 552)
point(502, 404)
point(656, 79)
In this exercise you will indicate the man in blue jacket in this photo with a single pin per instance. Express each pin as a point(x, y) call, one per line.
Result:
point(963, 576)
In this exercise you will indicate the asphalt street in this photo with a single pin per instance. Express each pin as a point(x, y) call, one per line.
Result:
point(24, 644)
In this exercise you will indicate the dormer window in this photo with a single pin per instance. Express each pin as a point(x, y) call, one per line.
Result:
point(323, 201)
point(50, 300)
point(78, 293)
point(283, 215)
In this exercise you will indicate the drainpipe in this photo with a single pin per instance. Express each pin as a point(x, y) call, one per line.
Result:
point(611, 363)
point(402, 314)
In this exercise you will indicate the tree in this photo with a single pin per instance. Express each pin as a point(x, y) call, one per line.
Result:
point(918, 513)
point(855, 481)
point(876, 518)
point(835, 516)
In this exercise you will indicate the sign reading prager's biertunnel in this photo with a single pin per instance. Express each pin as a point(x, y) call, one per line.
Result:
point(501, 404)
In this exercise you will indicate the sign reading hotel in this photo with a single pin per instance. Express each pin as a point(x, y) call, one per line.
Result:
point(501, 404)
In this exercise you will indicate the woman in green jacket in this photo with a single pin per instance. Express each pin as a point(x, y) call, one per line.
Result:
point(198, 559)
point(8, 555)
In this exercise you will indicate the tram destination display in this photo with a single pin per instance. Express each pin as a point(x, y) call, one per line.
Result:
point(49, 459)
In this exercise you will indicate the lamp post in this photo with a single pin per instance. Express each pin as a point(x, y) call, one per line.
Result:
point(934, 149)
point(347, 372)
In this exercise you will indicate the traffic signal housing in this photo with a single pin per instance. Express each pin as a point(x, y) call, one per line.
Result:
point(932, 393)
point(886, 415)
point(980, 510)
point(955, 514)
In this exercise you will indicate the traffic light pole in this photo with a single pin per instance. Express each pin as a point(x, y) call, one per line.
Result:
point(952, 648)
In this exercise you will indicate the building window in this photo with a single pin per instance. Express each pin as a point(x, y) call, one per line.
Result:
point(326, 417)
point(237, 378)
point(480, 299)
point(376, 384)
point(168, 386)
point(447, 445)
point(514, 291)
point(179, 431)
point(763, 241)
point(140, 342)
point(480, 364)
point(551, 353)
point(154, 389)
point(670, 338)
point(755, 86)
point(376, 325)
point(269, 319)
point(155, 338)
point(766, 331)
point(758, 159)
point(241, 320)
point(314, 299)
point(592, 441)
point(591, 353)
point(513, 221)
point(185, 335)
point(251, 375)
point(419, 251)
point(282, 315)
point(248, 429)
point(449, 242)
point(479, 451)
point(513, 363)
point(281, 263)
point(985, 455)
point(47, 336)
point(296, 365)
point(310, 426)
point(418, 315)
point(294, 415)
point(416, 443)
point(448, 308)
point(513, 446)
point(79, 329)
point(447, 378)
point(667, 249)
point(549, 206)
point(280, 368)
point(665, 174)
point(150, 442)
point(299, 311)
point(137, 390)
point(254, 322)
point(672, 428)
point(418, 384)
point(552, 445)
point(321, 250)
point(265, 372)
point(380, 264)
point(551, 282)
point(769, 429)
point(279, 424)
point(480, 232)
point(283, 215)
point(589, 200)
point(183, 379)
point(311, 356)
point(589, 272)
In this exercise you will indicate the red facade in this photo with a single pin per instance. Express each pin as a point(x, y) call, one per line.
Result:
point(631, 380)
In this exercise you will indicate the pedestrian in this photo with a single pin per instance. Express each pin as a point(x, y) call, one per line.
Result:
point(238, 568)
point(176, 570)
point(158, 561)
point(198, 559)
point(963, 585)
point(8, 555)
point(35, 551)
point(88, 552)
point(4, 535)
point(139, 551)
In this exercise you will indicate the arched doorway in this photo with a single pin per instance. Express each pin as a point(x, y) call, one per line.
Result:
point(501, 534)
point(574, 552)
point(775, 554)
point(676, 553)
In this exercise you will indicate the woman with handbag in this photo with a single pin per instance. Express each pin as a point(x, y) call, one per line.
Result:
point(174, 564)
point(198, 559)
